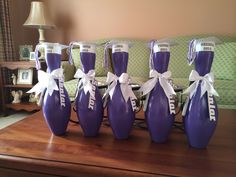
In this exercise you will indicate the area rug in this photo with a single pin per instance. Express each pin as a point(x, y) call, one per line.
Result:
point(12, 118)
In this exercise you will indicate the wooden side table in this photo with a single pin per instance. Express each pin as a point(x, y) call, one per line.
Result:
point(6, 85)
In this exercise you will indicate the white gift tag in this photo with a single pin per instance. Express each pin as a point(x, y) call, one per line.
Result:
point(87, 48)
point(161, 47)
point(205, 46)
point(53, 49)
point(120, 47)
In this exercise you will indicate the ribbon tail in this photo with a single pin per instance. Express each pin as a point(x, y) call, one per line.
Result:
point(105, 98)
point(111, 92)
point(148, 86)
point(37, 89)
point(146, 102)
point(204, 87)
point(191, 89)
point(212, 90)
point(40, 102)
point(87, 86)
point(207, 87)
point(127, 92)
point(185, 106)
point(52, 86)
point(168, 89)
point(110, 89)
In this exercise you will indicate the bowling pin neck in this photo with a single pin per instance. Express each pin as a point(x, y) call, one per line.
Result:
point(88, 61)
point(203, 62)
point(53, 61)
point(120, 62)
point(161, 61)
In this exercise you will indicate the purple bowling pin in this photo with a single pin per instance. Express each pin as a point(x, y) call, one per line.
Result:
point(159, 107)
point(88, 102)
point(56, 103)
point(121, 102)
point(200, 111)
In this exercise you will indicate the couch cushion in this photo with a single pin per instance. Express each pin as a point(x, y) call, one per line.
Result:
point(227, 92)
point(224, 65)
point(178, 63)
point(138, 65)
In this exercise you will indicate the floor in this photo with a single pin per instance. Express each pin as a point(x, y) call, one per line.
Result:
point(12, 118)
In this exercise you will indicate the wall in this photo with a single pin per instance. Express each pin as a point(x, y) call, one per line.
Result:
point(19, 11)
point(144, 19)
point(147, 19)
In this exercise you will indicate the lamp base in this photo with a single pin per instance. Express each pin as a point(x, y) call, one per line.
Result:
point(42, 53)
point(41, 40)
point(41, 35)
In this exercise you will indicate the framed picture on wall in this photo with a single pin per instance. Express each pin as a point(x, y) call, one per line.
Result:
point(25, 51)
point(25, 76)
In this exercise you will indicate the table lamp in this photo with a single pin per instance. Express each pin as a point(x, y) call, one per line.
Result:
point(38, 18)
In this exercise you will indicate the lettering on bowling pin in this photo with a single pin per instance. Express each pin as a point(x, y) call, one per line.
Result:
point(211, 107)
point(92, 96)
point(171, 104)
point(61, 92)
point(133, 104)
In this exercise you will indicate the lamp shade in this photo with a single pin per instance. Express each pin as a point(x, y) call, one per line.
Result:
point(38, 18)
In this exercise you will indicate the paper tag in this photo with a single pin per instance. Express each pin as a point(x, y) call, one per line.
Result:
point(87, 48)
point(205, 46)
point(120, 47)
point(185, 106)
point(146, 102)
point(53, 49)
point(161, 47)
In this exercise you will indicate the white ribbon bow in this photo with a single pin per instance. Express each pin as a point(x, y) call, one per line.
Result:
point(126, 89)
point(163, 79)
point(86, 81)
point(206, 84)
point(46, 81)
point(148, 86)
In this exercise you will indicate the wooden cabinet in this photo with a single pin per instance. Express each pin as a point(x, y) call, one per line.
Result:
point(6, 85)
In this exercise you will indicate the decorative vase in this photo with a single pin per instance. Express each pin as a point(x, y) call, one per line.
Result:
point(56, 103)
point(121, 104)
point(200, 111)
point(88, 102)
point(159, 107)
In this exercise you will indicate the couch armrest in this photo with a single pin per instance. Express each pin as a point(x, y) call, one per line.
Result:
point(69, 70)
